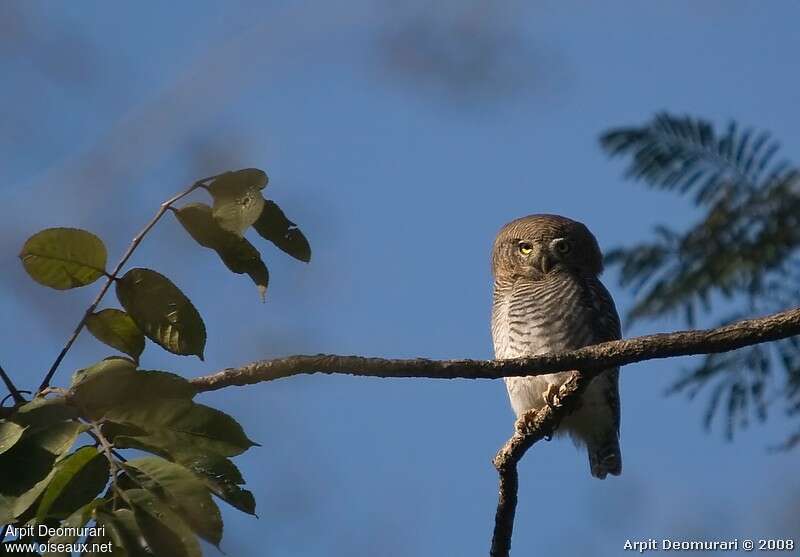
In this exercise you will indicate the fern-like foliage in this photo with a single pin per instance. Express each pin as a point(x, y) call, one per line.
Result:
point(744, 252)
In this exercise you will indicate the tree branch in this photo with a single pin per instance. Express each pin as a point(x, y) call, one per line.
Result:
point(12, 389)
point(535, 424)
point(113, 275)
point(596, 357)
point(531, 427)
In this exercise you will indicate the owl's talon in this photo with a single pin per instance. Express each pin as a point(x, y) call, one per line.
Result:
point(524, 423)
point(551, 396)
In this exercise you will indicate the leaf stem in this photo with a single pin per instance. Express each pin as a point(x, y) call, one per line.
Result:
point(165, 206)
point(111, 455)
point(18, 398)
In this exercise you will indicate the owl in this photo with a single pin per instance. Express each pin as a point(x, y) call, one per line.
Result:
point(548, 298)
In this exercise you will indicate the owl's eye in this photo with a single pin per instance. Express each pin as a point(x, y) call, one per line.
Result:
point(562, 246)
point(524, 248)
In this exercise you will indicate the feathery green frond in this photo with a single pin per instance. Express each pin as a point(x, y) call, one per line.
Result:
point(744, 251)
point(686, 154)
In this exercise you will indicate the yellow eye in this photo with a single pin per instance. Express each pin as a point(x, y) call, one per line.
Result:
point(525, 248)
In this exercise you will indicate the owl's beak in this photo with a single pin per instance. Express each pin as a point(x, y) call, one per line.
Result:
point(543, 261)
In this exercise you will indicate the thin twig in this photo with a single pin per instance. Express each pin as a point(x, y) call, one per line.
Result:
point(113, 451)
point(599, 356)
point(96, 433)
point(531, 427)
point(506, 510)
point(53, 391)
point(114, 274)
point(12, 389)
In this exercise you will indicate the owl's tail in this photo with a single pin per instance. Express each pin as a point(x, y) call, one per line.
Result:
point(605, 458)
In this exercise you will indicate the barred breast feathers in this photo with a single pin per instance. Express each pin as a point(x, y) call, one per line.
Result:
point(534, 317)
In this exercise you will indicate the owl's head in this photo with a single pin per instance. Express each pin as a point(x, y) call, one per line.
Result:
point(537, 245)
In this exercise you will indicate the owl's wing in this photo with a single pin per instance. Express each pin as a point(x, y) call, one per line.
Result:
point(606, 319)
point(606, 327)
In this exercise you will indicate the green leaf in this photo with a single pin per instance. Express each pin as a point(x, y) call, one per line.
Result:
point(223, 479)
point(13, 506)
point(273, 225)
point(162, 312)
point(56, 438)
point(165, 532)
point(27, 468)
point(10, 433)
point(237, 198)
point(78, 479)
point(44, 411)
point(116, 329)
point(182, 491)
point(121, 530)
point(78, 519)
point(116, 381)
point(238, 254)
point(179, 426)
point(64, 258)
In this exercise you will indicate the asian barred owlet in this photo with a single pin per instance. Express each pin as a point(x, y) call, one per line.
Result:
point(548, 298)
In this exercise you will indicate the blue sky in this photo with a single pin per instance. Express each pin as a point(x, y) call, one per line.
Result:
point(400, 138)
